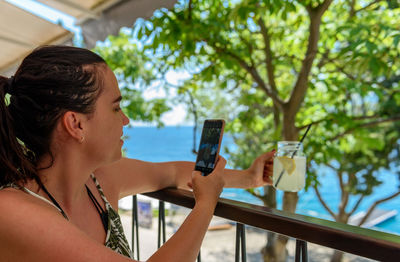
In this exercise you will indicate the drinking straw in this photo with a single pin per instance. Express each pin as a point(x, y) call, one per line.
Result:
point(301, 141)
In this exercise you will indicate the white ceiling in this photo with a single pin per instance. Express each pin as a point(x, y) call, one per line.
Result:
point(21, 31)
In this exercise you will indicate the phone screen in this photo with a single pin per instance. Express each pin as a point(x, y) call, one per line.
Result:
point(209, 146)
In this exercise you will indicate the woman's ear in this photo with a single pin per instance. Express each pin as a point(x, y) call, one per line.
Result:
point(73, 125)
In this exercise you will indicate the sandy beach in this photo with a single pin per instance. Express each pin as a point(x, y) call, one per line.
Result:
point(219, 245)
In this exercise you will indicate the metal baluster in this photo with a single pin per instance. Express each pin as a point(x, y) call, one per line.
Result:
point(304, 251)
point(161, 222)
point(298, 251)
point(240, 242)
point(135, 225)
point(159, 225)
point(237, 246)
point(243, 233)
point(199, 257)
point(301, 251)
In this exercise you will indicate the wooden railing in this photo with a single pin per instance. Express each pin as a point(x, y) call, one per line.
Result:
point(347, 238)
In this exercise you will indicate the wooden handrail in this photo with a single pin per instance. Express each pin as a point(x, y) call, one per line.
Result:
point(347, 238)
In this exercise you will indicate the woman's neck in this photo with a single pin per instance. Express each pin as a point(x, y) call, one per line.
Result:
point(65, 179)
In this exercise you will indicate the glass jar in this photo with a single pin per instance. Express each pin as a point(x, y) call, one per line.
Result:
point(289, 171)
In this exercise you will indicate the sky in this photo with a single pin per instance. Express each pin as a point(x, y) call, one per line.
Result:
point(175, 117)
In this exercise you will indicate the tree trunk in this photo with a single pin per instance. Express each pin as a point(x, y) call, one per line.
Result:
point(269, 196)
point(269, 201)
point(337, 256)
point(275, 250)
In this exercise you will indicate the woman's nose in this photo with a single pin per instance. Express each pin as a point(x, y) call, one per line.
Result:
point(125, 119)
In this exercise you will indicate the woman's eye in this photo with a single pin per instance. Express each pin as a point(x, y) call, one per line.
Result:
point(117, 109)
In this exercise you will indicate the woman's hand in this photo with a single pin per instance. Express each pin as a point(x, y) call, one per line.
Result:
point(260, 172)
point(184, 245)
point(207, 189)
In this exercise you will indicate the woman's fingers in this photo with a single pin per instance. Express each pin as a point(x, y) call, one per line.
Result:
point(208, 188)
point(220, 166)
point(268, 166)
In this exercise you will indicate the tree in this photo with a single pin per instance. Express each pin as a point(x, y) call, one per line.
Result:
point(365, 115)
point(129, 65)
point(284, 65)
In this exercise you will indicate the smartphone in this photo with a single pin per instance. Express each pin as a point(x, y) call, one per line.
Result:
point(210, 143)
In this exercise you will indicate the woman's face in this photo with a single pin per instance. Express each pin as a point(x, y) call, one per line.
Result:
point(103, 137)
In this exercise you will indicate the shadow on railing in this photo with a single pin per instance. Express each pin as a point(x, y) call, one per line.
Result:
point(351, 239)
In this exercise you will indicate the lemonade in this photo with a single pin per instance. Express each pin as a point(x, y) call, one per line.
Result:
point(292, 172)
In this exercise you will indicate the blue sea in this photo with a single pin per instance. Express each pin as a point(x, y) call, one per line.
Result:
point(173, 143)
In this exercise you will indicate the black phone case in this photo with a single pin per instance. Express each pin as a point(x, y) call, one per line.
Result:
point(211, 138)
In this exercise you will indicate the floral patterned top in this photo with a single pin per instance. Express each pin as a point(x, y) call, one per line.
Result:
point(115, 239)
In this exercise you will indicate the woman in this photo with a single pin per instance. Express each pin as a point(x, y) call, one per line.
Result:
point(61, 169)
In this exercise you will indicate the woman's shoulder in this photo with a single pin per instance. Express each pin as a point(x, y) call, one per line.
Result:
point(17, 204)
point(42, 233)
point(11, 196)
point(22, 217)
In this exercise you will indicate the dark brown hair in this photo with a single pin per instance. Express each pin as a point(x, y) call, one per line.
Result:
point(49, 82)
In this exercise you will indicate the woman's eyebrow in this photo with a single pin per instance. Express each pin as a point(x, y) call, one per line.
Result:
point(117, 100)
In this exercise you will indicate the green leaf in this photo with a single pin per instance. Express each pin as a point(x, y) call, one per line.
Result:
point(374, 65)
point(370, 47)
point(396, 40)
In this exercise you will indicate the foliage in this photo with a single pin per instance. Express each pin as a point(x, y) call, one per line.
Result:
point(273, 67)
point(132, 69)
point(217, 42)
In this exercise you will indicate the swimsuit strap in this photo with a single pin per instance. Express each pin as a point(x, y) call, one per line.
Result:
point(54, 201)
point(96, 182)
point(103, 213)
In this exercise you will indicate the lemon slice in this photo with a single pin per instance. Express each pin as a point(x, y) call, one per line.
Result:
point(288, 164)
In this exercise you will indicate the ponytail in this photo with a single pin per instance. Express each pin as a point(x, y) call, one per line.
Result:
point(14, 163)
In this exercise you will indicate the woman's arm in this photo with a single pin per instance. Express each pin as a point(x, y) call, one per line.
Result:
point(32, 230)
point(185, 244)
point(129, 176)
point(258, 174)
